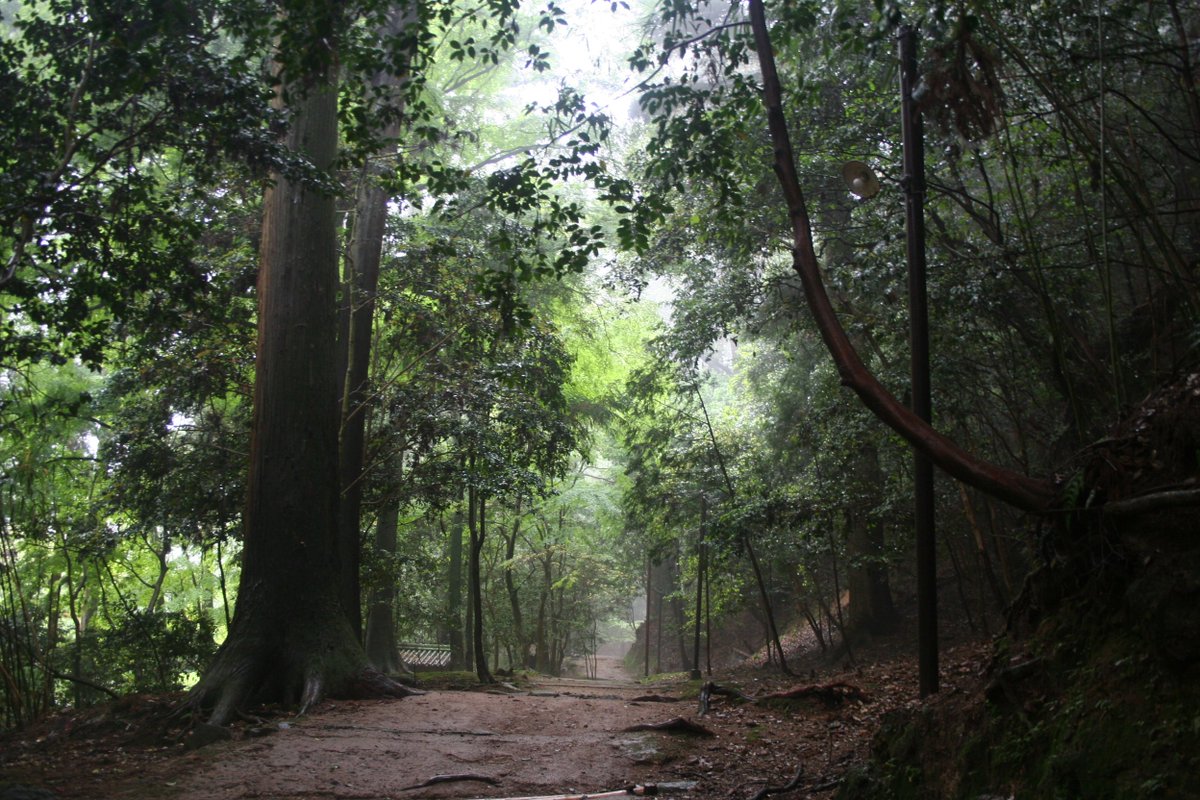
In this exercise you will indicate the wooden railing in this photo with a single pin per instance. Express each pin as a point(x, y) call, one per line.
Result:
point(425, 656)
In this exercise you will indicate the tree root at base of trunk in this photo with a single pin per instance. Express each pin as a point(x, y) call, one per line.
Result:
point(229, 690)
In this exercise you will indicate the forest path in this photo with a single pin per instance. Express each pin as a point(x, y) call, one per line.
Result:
point(562, 735)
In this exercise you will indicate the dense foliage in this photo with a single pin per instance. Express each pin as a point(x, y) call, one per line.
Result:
point(593, 376)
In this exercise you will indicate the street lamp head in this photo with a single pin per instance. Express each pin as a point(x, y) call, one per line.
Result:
point(860, 180)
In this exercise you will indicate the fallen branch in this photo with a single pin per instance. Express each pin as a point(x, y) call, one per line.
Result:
point(1154, 501)
point(676, 725)
point(831, 694)
point(654, 698)
point(457, 778)
point(63, 676)
point(790, 786)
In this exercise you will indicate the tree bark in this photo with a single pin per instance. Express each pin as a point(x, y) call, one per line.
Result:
point(160, 555)
point(454, 603)
point(510, 585)
point(701, 550)
point(1022, 491)
point(360, 283)
point(288, 632)
point(837, 594)
point(871, 607)
point(478, 526)
point(646, 624)
point(541, 661)
point(290, 640)
point(381, 647)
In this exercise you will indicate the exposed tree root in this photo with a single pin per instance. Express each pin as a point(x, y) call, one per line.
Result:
point(654, 698)
point(831, 694)
point(456, 778)
point(370, 683)
point(790, 786)
point(676, 725)
point(628, 791)
point(240, 680)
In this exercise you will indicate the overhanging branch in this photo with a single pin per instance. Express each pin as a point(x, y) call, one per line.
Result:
point(1022, 491)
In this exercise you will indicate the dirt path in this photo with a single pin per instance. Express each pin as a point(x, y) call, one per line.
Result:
point(565, 735)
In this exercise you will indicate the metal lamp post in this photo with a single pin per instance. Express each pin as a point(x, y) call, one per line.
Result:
point(918, 310)
point(862, 183)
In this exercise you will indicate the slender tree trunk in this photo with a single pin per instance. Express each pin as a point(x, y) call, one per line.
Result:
point(160, 555)
point(478, 534)
point(646, 624)
point(224, 587)
point(78, 621)
point(772, 631)
point(562, 632)
point(658, 634)
point(541, 650)
point(815, 625)
point(960, 583)
point(700, 563)
point(53, 615)
point(454, 603)
point(469, 624)
point(999, 597)
point(837, 594)
point(707, 615)
point(766, 602)
point(510, 585)
point(678, 613)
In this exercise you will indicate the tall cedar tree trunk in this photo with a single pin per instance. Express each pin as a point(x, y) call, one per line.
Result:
point(382, 650)
point(360, 282)
point(1029, 494)
point(290, 640)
